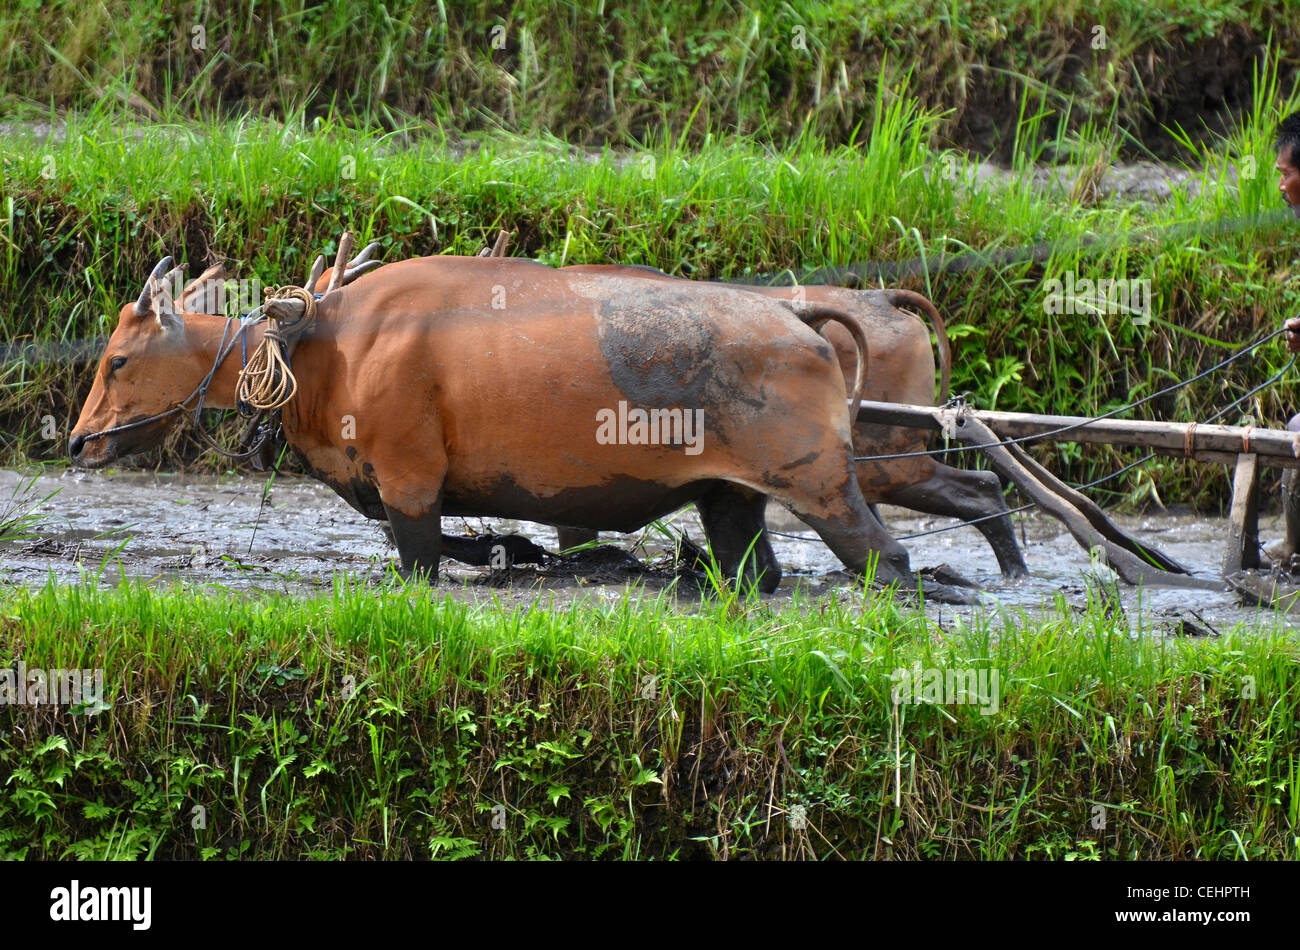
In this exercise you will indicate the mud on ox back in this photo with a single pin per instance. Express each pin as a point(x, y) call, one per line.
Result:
point(476, 386)
point(902, 370)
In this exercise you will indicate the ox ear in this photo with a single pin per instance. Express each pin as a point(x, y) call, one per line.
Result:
point(164, 308)
point(317, 269)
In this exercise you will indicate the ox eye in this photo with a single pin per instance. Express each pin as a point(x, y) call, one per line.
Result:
point(117, 363)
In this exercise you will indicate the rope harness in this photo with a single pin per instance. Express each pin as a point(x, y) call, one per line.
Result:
point(959, 401)
point(267, 382)
point(960, 404)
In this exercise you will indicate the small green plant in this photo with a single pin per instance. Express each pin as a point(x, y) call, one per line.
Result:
point(20, 518)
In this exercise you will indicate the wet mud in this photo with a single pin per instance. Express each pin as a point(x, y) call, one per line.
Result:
point(220, 532)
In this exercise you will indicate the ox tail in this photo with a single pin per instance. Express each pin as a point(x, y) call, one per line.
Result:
point(817, 317)
point(914, 301)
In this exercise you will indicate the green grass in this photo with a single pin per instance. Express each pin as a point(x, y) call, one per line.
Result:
point(19, 515)
point(398, 723)
point(85, 216)
point(620, 72)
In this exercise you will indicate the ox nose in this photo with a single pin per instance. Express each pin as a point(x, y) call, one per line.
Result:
point(75, 445)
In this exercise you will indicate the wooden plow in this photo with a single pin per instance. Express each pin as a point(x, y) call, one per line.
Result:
point(1246, 447)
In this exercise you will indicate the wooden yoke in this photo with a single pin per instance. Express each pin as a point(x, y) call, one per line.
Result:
point(498, 249)
point(344, 272)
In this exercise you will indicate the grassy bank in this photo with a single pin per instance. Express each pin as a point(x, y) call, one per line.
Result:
point(621, 72)
point(84, 215)
point(390, 723)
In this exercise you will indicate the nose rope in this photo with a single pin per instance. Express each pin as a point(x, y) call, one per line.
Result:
point(201, 391)
point(267, 382)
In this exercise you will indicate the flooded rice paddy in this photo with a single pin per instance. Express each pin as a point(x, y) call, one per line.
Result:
point(217, 532)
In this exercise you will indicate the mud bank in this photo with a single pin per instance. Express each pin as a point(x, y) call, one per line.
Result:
point(215, 531)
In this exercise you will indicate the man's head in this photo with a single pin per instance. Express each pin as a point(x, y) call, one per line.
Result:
point(1288, 161)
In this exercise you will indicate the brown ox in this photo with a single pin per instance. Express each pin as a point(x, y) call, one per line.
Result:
point(457, 407)
point(902, 370)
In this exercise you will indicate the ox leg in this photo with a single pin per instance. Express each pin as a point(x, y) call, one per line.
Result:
point(493, 550)
point(1290, 513)
point(733, 517)
point(840, 516)
point(419, 540)
point(966, 494)
point(574, 537)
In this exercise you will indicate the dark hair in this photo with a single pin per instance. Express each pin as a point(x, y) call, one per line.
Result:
point(1288, 136)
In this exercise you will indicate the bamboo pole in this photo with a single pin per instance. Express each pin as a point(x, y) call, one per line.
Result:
point(1122, 554)
point(1205, 443)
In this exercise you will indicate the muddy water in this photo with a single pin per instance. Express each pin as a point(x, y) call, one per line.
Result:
point(216, 531)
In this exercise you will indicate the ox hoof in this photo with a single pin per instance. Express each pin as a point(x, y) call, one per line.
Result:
point(948, 594)
point(1283, 556)
point(517, 549)
point(946, 574)
point(934, 591)
point(602, 558)
point(417, 575)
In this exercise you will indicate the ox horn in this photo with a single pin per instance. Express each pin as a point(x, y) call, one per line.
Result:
point(317, 268)
point(364, 256)
point(340, 262)
point(362, 263)
point(499, 248)
point(352, 273)
point(169, 279)
point(144, 303)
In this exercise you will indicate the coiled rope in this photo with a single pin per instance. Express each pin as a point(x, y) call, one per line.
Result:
point(267, 381)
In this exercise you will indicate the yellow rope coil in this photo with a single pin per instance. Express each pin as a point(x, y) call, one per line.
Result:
point(267, 382)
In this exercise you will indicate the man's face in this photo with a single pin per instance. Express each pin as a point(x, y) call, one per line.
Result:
point(1289, 178)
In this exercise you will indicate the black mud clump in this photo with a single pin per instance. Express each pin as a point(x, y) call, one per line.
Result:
point(607, 564)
